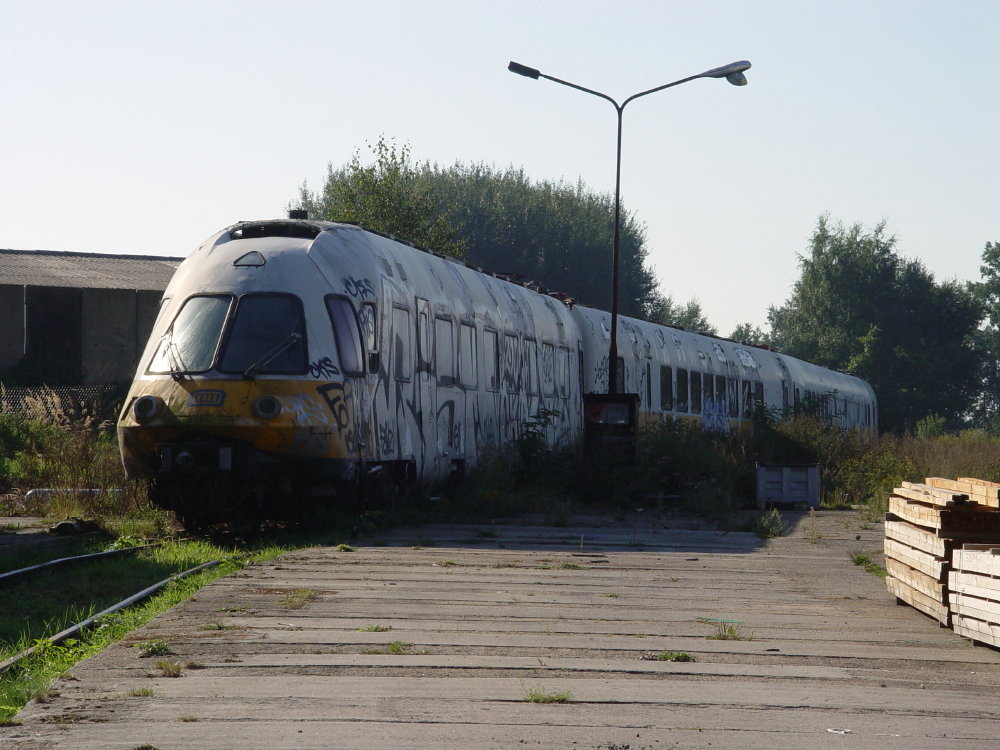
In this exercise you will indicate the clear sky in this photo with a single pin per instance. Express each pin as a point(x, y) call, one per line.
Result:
point(145, 126)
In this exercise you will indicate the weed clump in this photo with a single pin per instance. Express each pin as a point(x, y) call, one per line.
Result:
point(540, 695)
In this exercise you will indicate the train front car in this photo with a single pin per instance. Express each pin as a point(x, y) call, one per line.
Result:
point(241, 403)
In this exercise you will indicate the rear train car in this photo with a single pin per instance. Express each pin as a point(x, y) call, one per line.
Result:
point(293, 362)
point(685, 375)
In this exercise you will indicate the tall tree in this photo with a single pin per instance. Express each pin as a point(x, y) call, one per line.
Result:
point(550, 232)
point(664, 311)
point(750, 335)
point(986, 410)
point(385, 196)
point(860, 308)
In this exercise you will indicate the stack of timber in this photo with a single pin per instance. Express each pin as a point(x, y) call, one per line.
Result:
point(925, 526)
point(974, 593)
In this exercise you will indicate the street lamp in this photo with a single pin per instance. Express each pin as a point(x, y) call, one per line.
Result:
point(732, 73)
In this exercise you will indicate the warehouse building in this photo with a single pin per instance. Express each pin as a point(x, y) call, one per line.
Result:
point(77, 318)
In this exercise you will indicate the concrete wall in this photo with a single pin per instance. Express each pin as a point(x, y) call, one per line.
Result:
point(109, 323)
point(98, 333)
point(11, 324)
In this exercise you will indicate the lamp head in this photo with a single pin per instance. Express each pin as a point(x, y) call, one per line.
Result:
point(732, 72)
point(524, 70)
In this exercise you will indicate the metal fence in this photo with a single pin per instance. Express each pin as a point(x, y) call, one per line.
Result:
point(58, 403)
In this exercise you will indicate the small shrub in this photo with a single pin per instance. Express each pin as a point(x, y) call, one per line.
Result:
point(375, 628)
point(770, 524)
point(169, 668)
point(729, 631)
point(155, 647)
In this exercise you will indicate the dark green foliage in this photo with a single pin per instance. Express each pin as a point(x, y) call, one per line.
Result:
point(554, 233)
point(750, 335)
point(860, 308)
point(986, 409)
point(388, 196)
point(662, 310)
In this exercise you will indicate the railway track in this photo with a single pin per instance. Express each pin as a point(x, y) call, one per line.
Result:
point(22, 574)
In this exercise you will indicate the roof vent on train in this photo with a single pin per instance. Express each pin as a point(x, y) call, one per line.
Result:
point(252, 259)
point(298, 229)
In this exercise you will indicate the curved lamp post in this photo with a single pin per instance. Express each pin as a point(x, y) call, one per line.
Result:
point(732, 73)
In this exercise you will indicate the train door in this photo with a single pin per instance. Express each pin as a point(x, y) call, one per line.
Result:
point(423, 406)
point(368, 414)
point(448, 427)
point(398, 436)
point(468, 377)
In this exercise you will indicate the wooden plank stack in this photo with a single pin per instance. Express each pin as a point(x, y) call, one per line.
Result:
point(926, 525)
point(974, 593)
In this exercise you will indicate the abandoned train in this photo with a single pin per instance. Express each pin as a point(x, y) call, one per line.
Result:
point(292, 358)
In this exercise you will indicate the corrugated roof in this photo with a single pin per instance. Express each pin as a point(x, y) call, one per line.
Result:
point(86, 270)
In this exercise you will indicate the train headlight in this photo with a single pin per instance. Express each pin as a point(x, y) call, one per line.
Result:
point(147, 407)
point(267, 407)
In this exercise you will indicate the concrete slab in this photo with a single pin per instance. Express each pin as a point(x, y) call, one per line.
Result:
point(491, 614)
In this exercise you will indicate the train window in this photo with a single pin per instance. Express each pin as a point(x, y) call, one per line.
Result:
point(733, 387)
point(189, 344)
point(368, 320)
point(467, 356)
point(548, 370)
point(784, 395)
point(720, 394)
point(708, 392)
point(267, 335)
point(620, 375)
point(747, 399)
point(423, 340)
point(402, 350)
point(682, 389)
point(346, 334)
point(758, 395)
point(666, 388)
point(696, 393)
point(491, 360)
point(563, 371)
point(444, 351)
point(527, 360)
point(510, 364)
point(649, 387)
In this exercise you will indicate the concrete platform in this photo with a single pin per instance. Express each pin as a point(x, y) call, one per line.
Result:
point(491, 613)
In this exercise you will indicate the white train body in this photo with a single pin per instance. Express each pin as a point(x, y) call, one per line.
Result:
point(295, 355)
point(719, 382)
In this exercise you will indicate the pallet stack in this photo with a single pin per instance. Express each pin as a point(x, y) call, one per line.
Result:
point(974, 593)
point(926, 525)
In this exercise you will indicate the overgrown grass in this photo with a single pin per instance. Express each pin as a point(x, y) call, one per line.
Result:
point(28, 618)
point(713, 476)
point(48, 447)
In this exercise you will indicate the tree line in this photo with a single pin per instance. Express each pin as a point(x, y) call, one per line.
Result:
point(930, 350)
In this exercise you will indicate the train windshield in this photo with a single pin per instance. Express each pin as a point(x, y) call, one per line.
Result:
point(264, 333)
point(189, 344)
point(267, 335)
